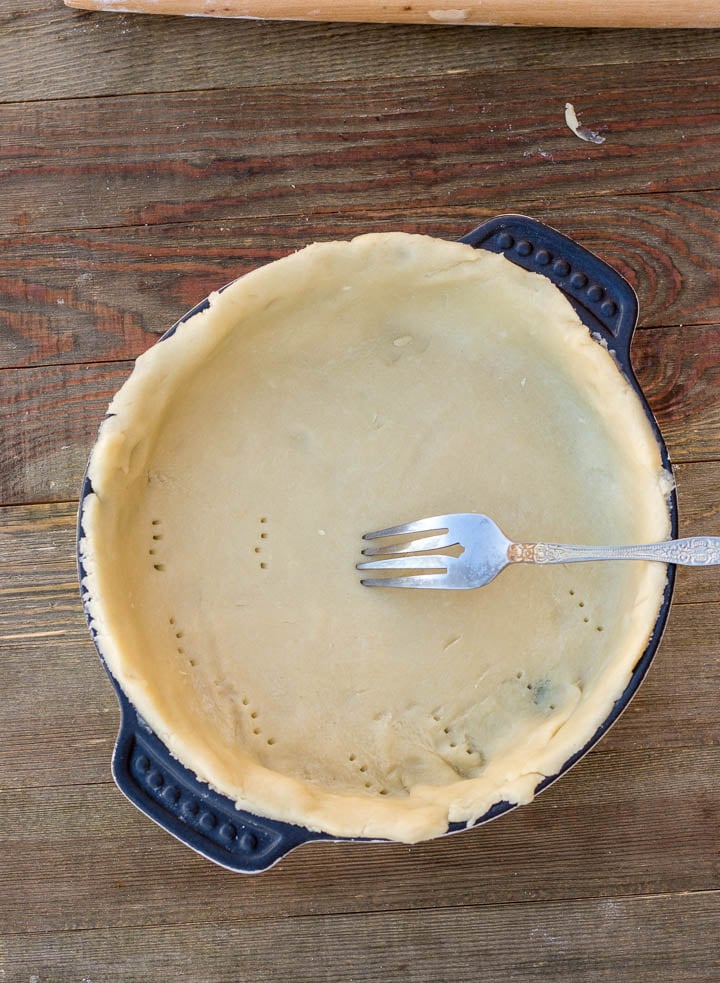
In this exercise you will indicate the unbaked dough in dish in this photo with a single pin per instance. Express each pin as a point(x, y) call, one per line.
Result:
point(345, 388)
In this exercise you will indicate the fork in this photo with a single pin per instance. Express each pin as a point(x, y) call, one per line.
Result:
point(485, 551)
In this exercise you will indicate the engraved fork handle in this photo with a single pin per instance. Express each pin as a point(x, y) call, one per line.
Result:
point(695, 551)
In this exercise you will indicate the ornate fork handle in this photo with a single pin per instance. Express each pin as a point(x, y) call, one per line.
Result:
point(695, 551)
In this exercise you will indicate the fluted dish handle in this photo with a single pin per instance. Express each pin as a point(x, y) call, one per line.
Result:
point(694, 551)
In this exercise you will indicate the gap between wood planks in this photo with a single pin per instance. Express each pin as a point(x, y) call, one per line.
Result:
point(134, 280)
point(125, 358)
point(434, 76)
point(504, 904)
point(532, 903)
point(64, 365)
point(109, 742)
point(63, 515)
point(408, 215)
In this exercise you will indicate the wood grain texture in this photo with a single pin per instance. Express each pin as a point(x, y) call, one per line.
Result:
point(620, 824)
point(144, 161)
point(42, 633)
point(42, 45)
point(48, 421)
point(659, 940)
point(682, 387)
point(307, 149)
point(105, 295)
point(62, 734)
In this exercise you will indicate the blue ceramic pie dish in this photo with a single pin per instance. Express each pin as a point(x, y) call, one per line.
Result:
point(208, 822)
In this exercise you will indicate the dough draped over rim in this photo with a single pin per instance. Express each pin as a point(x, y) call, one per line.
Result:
point(349, 387)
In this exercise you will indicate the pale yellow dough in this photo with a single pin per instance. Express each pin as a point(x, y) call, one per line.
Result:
point(346, 388)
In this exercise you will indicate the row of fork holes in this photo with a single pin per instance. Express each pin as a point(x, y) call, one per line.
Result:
point(581, 604)
point(263, 536)
point(253, 714)
point(446, 730)
point(245, 701)
point(157, 536)
point(362, 768)
point(179, 634)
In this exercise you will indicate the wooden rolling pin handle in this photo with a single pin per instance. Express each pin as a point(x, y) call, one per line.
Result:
point(529, 13)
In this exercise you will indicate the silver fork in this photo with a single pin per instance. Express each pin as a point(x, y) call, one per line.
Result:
point(485, 551)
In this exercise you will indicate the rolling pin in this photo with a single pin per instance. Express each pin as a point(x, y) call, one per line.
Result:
point(529, 13)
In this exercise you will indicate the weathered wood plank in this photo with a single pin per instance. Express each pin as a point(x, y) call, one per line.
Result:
point(41, 43)
point(647, 940)
point(64, 729)
point(107, 294)
point(679, 371)
point(48, 420)
point(588, 836)
point(49, 415)
point(307, 149)
point(699, 509)
point(376, 128)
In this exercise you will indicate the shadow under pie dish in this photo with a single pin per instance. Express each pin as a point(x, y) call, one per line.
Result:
point(347, 387)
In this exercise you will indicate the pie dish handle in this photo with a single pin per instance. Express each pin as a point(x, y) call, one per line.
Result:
point(602, 297)
point(207, 822)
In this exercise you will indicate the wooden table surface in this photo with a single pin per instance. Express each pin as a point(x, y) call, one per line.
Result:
point(145, 161)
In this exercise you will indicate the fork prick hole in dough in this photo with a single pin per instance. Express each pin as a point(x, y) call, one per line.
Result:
point(159, 567)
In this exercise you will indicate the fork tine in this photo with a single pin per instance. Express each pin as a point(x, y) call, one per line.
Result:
point(408, 563)
point(424, 580)
point(436, 522)
point(411, 546)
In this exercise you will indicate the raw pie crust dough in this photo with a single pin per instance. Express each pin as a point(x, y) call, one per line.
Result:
point(346, 388)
